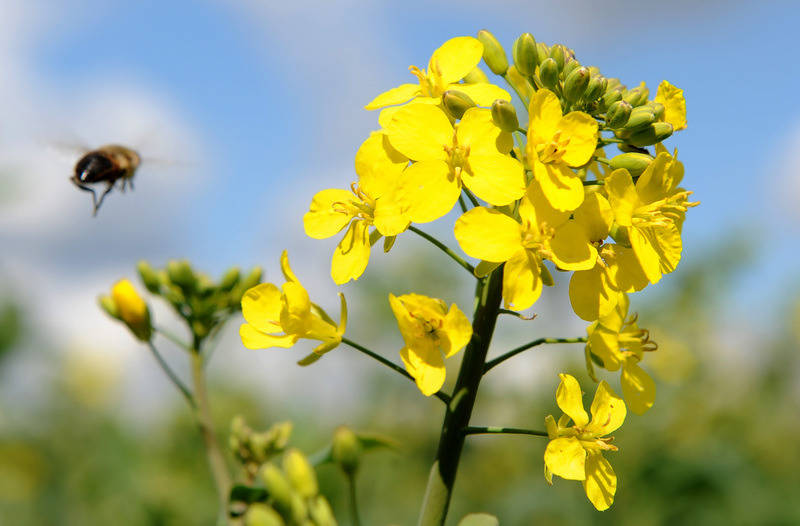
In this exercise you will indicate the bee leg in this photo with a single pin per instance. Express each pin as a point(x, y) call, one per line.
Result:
point(94, 196)
point(103, 196)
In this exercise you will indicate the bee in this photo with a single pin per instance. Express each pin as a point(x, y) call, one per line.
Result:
point(106, 164)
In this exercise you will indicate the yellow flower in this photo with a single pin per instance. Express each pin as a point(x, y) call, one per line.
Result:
point(474, 153)
point(674, 105)
point(279, 317)
point(652, 212)
point(540, 233)
point(431, 333)
point(448, 65)
point(129, 307)
point(374, 201)
point(557, 142)
point(576, 452)
point(618, 342)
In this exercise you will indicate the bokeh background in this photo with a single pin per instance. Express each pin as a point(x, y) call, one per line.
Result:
point(243, 109)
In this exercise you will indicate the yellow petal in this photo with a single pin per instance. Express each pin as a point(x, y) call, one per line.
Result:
point(604, 343)
point(570, 399)
point(352, 254)
point(497, 179)
point(622, 195)
point(666, 241)
point(544, 211)
point(458, 329)
point(487, 234)
point(482, 93)
point(286, 269)
point(571, 249)
point(252, 338)
point(386, 114)
point(563, 189)
point(392, 211)
point(478, 132)
point(429, 189)
point(655, 182)
point(261, 307)
point(601, 481)
point(595, 216)
point(638, 388)
point(608, 411)
point(323, 219)
point(420, 132)
point(378, 165)
point(295, 314)
point(591, 293)
point(674, 105)
point(625, 269)
point(566, 458)
point(427, 368)
point(544, 115)
point(522, 281)
point(581, 129)
point(646, 254)
point(398, 95)
point(454, 59)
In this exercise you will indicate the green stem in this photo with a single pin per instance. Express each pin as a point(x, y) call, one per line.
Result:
point(471, 197)
point(171, 337)
point(351, 485)
point(488, 294)
point(602, 160)
point(462, 204)
point(219, 468)
point(172, 376)
point(516, 314)
point(593, 183)
point(513, 352)
point(444, 249)
point(441, 395)
point(476, 430)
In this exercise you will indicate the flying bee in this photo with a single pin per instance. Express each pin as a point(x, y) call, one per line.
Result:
point(106, 164)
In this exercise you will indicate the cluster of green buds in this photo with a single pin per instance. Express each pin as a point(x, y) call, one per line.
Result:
point(204, 304)
point(635, 120)
point(253, 449)
point(292, 495)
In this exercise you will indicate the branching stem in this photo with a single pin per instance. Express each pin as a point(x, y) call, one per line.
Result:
point(513, 352)
point(493, 430)
point(444, 248)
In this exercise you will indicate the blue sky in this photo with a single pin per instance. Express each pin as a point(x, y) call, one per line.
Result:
point(261, 105)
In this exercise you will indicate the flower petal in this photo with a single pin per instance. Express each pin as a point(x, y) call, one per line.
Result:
point(488, 234)
point(522, 280)
point(497, 179)
point(478, 132)
point(581, 129)
point(595, 216)
point(638, 387)
point(400, 94)
point(378, 165)
point(323, 220)
point(571, 248)
point(570, 399)
point(562, 187)
point(261, 307)
point(458, 329)
point(608, 411)
point(252, 338)
point(622, 196)
point(482, 93)
point(351, 256)
point(454, 59)
point(592, 293)
point(544, 115)
point(674, 105)
point(420, 132)
point(426, 366)
point(566, 458)
point(601, 481)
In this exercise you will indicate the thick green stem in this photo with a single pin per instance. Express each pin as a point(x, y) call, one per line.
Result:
point(503, 357)
point(494, 430)
point(488, 294)
point(219, 468)
point(351, 486)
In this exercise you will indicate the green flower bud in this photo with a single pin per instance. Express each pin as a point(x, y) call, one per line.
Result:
point(346, 450)
point(180, 273)
point(542, 52)
point(475, 76)
point(321, 512)
point(653, 134)
point(559, 53)
point(548, 73)
point(456, 103)
point(570, 66)
point(525, 54)
point(636, 96)
point(618, 114)
point(504, 115)
point(640, 119)
point(544, 272)
point(230, 279)
point(107, 304)
point(300, 473)
point(613, 84)
point(493, 53)
point(278, 487)
point(576, 83)
point(149, 277)
point(262, 515)
point(635, 163)
point(658, 109)
point(595, 88)
point(298, 510)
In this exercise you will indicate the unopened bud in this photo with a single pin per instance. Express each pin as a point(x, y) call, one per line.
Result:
point(610, 97)
point(493, 53)
point(569, 66)
point(149, 277)
point(542, 52)
point(544, 273)
point(658, 109)
point(559, 53)
point(180, 273)
point(456, 103)
point(321, 512)
point(504, 116)
point(132, 309)
point(653, 134)
point(475, 76)
point(346, 449)
point(260, 514)
point(576, 83)
point(107, 304)
point(525, 54)
point(596, 87)
point(635, 163)
point(300, 473)
point(618, 114)
point(230, 279)
point(637, 96)
point(278, 487)
point(640, 119)
point(548, 73)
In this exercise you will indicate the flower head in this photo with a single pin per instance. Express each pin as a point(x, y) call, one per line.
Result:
point(576, 452)
point(431, 333)
point(557, 142)
point(127, 305)
point(279, 317)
